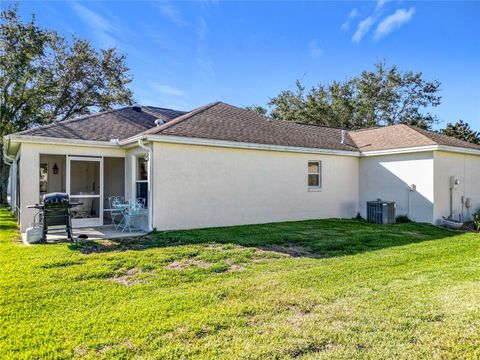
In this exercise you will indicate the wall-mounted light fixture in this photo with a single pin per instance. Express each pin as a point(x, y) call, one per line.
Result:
point(55, 169)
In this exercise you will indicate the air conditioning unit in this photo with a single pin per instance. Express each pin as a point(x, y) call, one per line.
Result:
point(381, 212)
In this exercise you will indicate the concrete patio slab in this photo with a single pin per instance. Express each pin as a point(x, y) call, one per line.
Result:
point(93, 233)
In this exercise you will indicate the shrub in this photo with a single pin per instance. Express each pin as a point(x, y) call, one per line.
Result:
point(476, 220)
point(401, 219)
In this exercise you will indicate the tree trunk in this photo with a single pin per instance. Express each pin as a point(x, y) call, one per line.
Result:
point(4, 174)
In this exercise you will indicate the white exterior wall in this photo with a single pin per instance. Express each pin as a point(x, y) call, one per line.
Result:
point(465, 168)
point(388, 177)
point(30, 172)
point(201, 186)
point(131, 170)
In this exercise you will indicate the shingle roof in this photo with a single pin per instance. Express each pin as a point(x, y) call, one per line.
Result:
point(220, 121)
point(402, 136)
point(441, 139)
point(115, 124)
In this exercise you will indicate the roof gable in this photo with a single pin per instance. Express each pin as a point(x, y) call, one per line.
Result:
point(220, 121)
point(388, 138)
point(115, 124)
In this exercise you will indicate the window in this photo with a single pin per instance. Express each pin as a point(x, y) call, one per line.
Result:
point(141, 186)
point(314, 174)
point(43, 178)
point(142, 172)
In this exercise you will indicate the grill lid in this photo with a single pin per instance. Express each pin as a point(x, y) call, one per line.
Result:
point(56, 198)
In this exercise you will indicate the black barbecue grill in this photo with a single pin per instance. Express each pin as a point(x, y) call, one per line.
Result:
point(55, 211)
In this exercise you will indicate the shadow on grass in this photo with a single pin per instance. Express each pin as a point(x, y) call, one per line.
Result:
point(7, 221)
point(8, 226)
point(312, 238)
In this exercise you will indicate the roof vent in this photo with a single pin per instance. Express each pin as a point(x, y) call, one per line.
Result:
point(343, 137)
point(136, 107)
point(159, 122)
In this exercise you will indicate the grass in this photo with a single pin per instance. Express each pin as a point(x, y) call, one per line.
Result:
point(312, 289)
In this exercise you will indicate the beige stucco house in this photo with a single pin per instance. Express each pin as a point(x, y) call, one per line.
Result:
point(221, 165)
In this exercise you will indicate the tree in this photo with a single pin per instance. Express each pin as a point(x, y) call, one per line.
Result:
point(462, 131)
point(385, 96)
point(258, 109)
point(45, 77)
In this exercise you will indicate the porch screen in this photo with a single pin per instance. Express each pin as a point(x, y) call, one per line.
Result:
point(141, 184)
point(142, 191)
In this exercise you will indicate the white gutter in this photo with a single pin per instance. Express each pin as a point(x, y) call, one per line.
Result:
point(400, 151)
point(150, 180)
point(453, 149)
point(61, 141)
point(458, 150)
point(235, 144)
point(132, 141)
point(254, 146)
point(6, 158)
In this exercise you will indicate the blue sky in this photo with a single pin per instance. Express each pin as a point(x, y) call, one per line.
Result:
point(186, 54)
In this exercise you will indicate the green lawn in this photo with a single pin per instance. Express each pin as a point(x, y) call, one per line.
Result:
point(312, 289)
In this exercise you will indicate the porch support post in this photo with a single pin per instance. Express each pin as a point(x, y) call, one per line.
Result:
point(149, 183)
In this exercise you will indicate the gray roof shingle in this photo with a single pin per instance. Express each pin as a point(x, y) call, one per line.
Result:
point(115, 124)
point(220, 121)
point(402, 136)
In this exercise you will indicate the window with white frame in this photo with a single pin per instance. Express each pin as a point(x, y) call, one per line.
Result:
point(314, 174)
point(141, 181)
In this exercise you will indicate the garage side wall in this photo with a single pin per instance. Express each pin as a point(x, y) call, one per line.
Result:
point(465, 168)
point(388, 177)
point(200, 186)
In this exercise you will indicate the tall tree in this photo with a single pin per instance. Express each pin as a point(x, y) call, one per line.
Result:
point(45, 77)
point(258, 109)
point(384, 96)
point(462, 131)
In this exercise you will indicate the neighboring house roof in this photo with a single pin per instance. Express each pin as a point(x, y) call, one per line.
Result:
point(402, 136)
point(220, 121)
point(115, 124)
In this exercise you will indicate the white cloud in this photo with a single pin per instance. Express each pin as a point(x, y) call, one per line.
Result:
point(381, 3)
point(363, 28)
point(205, 63)
point(352, 15)
point(104, 30)
point(168, 90)
point(171, 13)
point(393, 21)
point(315, 49)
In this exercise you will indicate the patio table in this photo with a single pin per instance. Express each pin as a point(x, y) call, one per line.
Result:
point(130, 211)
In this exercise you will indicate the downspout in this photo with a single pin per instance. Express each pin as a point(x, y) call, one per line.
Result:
point(7, 159)
point(150, 175)
point(10, 161)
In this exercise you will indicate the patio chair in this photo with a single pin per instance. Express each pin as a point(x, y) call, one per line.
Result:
point(140, 203)
point(116, 210)
point(84, 210)
point(136, 210)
